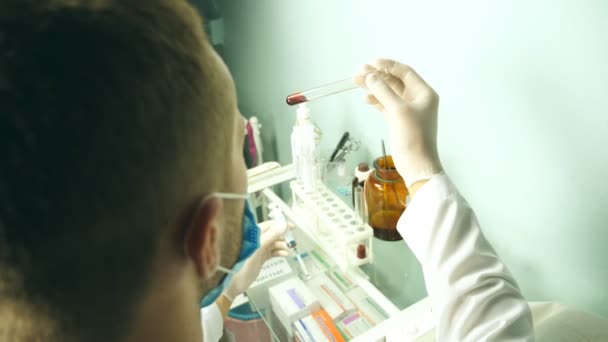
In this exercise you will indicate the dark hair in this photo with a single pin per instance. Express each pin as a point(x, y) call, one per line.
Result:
point(102, 105)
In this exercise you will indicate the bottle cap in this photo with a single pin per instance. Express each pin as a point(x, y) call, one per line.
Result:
point(361, 252)
point(303, 112)
point(362, 171)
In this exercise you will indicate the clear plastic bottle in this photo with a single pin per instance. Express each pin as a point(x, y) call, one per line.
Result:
point(362, 171)
point(304, 140)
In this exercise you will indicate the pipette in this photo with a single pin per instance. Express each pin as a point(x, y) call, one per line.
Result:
point(277, 215)
point(322, 91)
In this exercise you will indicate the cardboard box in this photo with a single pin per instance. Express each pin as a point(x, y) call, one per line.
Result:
point(274, 271)
point(342, 280)
point(317, 327)
point(331, 298)
point(291, 300)
point(354, 325)
point(367, 307)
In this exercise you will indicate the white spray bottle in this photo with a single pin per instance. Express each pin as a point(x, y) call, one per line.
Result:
point(304, 147)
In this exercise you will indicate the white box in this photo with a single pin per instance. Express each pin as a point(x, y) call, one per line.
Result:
point(291, 300)
point(331, 298)
point(317, 327)
point(368, 308)
point(308, 330)
point(354, 325)
point(274, 271)
point(342, 280)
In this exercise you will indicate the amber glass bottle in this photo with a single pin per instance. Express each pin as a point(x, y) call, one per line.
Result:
point(385, 195)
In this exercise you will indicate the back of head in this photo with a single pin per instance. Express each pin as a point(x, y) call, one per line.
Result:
point(103, 105)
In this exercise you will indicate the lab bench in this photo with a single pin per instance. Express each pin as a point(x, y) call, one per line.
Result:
point(358, 288)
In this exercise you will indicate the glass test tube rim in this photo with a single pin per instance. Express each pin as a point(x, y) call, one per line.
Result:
point(324, 90)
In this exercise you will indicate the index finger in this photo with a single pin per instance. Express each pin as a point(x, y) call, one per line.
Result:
point(359, 77)
point(404, 72)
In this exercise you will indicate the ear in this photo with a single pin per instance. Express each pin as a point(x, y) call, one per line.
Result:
point(201, 239)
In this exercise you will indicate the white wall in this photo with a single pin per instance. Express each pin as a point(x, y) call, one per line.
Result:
point(523, 122)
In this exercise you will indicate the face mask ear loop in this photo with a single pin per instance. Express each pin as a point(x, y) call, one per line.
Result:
point(202, 201)
point(223, 269)
point(227, 195)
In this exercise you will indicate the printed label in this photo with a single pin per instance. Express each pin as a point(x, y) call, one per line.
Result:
point(296, 299)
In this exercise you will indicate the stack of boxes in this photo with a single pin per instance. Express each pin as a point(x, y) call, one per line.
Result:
point(291, 300)
point(326, 307)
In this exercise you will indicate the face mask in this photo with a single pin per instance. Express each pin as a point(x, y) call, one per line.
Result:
point(249, 244)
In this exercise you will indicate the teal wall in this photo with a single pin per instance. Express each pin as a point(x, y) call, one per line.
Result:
point(523, 122)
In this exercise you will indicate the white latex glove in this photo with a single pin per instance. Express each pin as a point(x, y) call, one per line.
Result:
point(410, 107)
point(272, 244)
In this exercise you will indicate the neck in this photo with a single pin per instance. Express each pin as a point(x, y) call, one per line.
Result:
point(169, 312)
point(22, 321)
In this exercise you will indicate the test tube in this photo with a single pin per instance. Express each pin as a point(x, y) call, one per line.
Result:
point(359, 204)
point(322, 91)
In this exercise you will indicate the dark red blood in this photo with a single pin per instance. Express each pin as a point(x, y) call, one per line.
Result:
point(361, 252)
point(295, 99)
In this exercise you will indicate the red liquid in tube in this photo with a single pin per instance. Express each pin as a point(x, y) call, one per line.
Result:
point(361, 252)
point(295, 99)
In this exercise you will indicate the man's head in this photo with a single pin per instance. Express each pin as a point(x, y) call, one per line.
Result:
point(117, 120)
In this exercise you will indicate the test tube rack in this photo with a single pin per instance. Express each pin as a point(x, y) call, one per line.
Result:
point(338, 231)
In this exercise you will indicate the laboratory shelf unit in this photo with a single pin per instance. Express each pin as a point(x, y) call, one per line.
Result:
point(327, 295)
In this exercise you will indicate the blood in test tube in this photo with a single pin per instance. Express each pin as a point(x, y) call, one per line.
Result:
point(361, 252)
point(295, 99)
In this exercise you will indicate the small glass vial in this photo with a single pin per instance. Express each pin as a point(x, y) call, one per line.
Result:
point(385, 198)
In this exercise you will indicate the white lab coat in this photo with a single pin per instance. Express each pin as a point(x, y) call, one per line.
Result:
point(212, 323)
point(473, 295)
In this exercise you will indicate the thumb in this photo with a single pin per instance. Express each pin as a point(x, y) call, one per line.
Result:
point(382, 91)
point(274, 232)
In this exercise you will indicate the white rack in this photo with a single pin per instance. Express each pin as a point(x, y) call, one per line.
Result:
point(355, 273)
point(339, 232)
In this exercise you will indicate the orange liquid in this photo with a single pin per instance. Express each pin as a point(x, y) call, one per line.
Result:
point(384, 223)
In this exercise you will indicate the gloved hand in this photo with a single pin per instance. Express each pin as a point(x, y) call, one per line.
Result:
point(410, 107)
point(271, 244)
